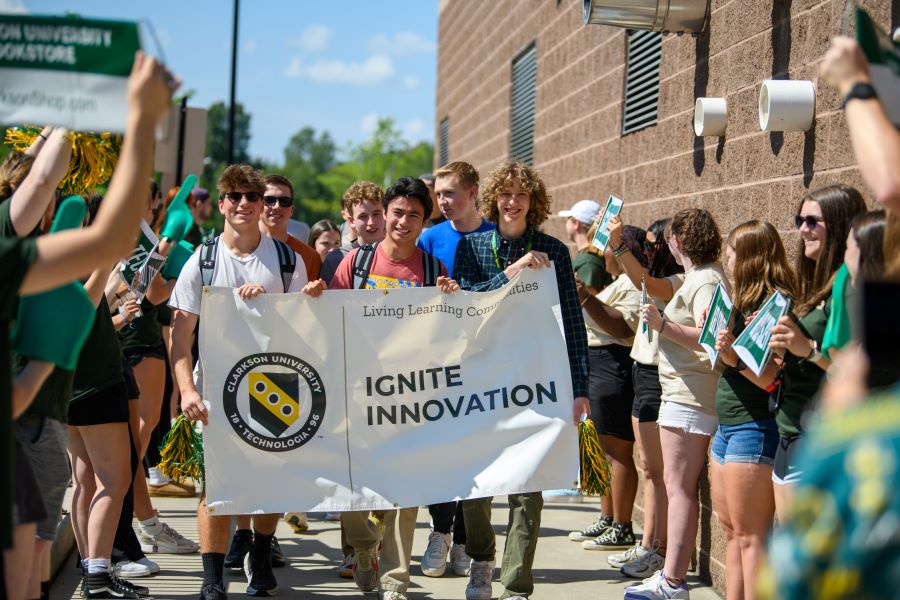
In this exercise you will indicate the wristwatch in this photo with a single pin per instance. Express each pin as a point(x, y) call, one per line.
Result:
point(860, 91)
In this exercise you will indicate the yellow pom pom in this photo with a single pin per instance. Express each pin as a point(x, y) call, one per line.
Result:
point(181, 455)
point(594, 465)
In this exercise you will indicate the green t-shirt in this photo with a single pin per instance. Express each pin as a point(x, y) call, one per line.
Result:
point(6, 225)
point(802, 378)
point(100, 362)
point(144, 331)
point(16, 256)
point(591, 269)
point(739, 400)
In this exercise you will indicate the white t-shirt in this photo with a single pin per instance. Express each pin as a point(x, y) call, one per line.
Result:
point(645, 349)
point(624, 297)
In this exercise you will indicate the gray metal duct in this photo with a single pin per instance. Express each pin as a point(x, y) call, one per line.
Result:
point(675, 16)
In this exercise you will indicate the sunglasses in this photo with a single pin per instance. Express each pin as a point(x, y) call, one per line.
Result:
point(282, 201)
point(235, 197)
point(810, 220)
point(654, 245)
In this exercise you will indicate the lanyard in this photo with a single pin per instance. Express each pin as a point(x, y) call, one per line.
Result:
point(494, 244)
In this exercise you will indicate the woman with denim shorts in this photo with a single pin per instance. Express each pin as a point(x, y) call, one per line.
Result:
point(743, 449)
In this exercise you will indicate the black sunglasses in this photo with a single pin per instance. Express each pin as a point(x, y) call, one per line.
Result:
point(810, 220)
point(282, 201)
point(236, 196)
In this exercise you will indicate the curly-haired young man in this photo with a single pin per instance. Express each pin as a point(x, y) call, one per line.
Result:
point(515, 198)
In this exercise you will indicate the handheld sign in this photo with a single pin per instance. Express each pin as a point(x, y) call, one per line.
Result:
point(66, 71)
point(146, 246)
point(644, 328)
point(601, 236)
point(717, 317)
point(752, 346)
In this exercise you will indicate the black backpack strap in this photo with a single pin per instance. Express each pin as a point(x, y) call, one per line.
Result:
point(432, 266)
point(287, 260)
point(208, 260)
point(362, 264)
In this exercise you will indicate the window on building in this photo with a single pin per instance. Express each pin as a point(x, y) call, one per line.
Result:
point(443, 153)
point(522, 101)
point(641, 80)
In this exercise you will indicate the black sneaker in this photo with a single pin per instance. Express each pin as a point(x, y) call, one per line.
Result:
point(260, 579)
point(213, 591)
point(241, 543)
point(102, 585)
point(140, 590)
point(278, 559)
point(620, 535)
point(596, 529)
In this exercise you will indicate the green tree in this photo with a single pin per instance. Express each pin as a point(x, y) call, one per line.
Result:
point(306, 157)
point(217, 140)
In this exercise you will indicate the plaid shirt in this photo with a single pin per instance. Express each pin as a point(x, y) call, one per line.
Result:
point(476, 269)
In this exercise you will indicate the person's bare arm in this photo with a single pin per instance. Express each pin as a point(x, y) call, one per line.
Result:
point(38, 142)
point(656, 286)
point(67, 255)
point(160, 289)
point(183, 324)
point(34, 194)
point(96, 284)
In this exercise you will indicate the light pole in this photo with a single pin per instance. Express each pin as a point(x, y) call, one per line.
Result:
point(231, 103)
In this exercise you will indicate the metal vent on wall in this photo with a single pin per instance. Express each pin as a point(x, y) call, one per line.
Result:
point(522, 105)
point(641, 80)
point(443, 151)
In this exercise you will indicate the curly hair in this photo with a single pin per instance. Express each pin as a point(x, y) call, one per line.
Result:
point(501, 178)
point(243, 177)
point(760, 265)
point(698, 235)
point(359, 192)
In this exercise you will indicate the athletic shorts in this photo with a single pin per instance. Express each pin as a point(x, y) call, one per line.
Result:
point(687, 418)
point(754, 442)
point(610, 391)
point(132, 389)
point(29, 506)
point(647, 393)
point(43, 440)
point(109, 405)
point(138, 353)
point(785, 470)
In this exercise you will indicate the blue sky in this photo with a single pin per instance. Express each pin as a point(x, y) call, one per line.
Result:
point(335, 66)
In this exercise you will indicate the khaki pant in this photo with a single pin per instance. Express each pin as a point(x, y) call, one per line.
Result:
point(396, 549)
point(521, 539)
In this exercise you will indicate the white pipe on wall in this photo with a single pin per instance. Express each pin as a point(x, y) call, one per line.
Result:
point(787, 105)
point(710, 117)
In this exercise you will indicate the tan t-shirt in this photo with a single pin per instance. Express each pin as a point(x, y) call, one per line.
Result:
point(624, 297)
point(645, 349)
point(686, 376)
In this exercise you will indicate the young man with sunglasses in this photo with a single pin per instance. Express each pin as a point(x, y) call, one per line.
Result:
point(242, 258)
point(278, 208)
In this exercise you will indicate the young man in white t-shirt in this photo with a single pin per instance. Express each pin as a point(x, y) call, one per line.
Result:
point(249, 261)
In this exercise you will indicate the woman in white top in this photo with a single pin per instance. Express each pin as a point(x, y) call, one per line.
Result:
point(687, 416)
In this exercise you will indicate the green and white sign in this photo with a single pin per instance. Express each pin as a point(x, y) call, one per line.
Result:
point(644, 328)
point(601, 236)
point(717, 317)
point(66, 71)
point(144, 251)
point(752, 346)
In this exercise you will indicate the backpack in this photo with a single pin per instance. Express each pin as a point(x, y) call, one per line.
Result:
point(286, 259)
point(362, 264)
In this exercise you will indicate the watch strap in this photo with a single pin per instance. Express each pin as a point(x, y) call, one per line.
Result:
point(860, 91)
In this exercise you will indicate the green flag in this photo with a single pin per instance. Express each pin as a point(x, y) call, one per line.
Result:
point(752, 346)
point(884, 63)
point(717, 316)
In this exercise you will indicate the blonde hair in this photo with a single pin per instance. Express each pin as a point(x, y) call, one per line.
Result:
point(13, 171)
point(465, 173)
point(359, 192)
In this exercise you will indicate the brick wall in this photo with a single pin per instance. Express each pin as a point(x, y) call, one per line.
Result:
point(580, 152)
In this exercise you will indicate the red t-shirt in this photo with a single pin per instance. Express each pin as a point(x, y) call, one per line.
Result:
point(385, 272)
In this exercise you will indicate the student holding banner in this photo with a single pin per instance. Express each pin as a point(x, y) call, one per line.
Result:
point(515, 198)
point(823, 218)
point(687, 417)
point(743, 449)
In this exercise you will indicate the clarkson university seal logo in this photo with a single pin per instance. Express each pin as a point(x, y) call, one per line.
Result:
point(274, 401)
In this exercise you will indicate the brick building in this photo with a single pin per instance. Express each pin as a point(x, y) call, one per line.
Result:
point(528, 78)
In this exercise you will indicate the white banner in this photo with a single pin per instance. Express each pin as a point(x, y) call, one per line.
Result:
point(374, 399)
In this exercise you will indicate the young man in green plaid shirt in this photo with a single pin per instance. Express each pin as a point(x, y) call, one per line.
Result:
point(515, 198)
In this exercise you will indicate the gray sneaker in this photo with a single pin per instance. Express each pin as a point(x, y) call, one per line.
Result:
point(365, 571)
point(645, 566)
point(620, 558)
point(481, 574)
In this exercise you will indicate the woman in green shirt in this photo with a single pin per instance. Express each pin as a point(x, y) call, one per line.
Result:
point(823, 219)
point(743, 449)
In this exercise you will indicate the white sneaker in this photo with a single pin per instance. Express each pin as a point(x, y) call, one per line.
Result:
point(644, 566)
point(156, 477)
point(391, 595)
point(657, 588)
point(434, 560)
point(167, 541)
point(127, 569)
point(480, 575)
point(618, 559)
point(459, 560)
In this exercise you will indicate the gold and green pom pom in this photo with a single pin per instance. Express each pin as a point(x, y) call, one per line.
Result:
point(182, 452)
point(594, 465)
point(94, 156)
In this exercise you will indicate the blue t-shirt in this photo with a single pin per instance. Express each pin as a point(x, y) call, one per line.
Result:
point(442, 239)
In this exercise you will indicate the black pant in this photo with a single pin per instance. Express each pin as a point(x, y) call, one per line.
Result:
point(152, 457)
point(448, 516)
point(126, 541)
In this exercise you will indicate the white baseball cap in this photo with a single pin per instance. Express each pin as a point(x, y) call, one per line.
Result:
point(583, 210)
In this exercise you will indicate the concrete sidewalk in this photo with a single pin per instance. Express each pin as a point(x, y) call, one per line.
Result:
point(562, 569)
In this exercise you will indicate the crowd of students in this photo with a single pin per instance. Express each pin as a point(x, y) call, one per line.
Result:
point(92, 391)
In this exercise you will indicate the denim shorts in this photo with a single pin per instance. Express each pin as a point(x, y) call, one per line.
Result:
point(754, 442)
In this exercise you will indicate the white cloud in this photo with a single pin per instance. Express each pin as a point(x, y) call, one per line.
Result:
point(413, 130)
point(375, 70)
point(16, 7)
point(403, 43)
point(369, 123)
point(314, 38)
point(409, 81)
